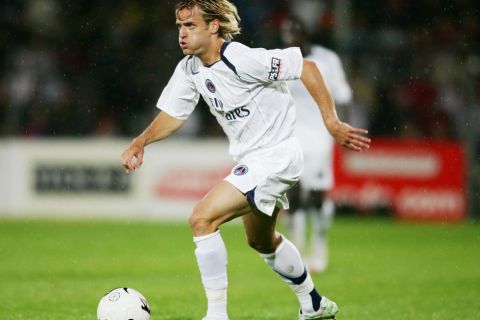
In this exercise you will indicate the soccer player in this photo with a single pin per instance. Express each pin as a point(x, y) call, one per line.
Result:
point(246, 91)
point(308, 197)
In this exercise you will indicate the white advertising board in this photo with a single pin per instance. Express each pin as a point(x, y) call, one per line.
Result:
point(85, 178)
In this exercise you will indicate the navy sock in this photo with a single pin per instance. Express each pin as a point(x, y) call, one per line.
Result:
point(316, 298)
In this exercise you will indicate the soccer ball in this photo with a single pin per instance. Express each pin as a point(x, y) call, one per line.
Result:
point(123, 304)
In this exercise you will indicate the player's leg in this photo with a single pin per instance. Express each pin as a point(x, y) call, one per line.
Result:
point(223, 203)
point(319, 179)
point(297, 218)
point(322, 209)
point(283, 258)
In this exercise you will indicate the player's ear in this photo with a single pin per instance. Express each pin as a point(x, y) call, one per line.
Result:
point(215, 26)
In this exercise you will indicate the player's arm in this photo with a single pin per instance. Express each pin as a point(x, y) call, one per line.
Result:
point(342, 132)
point(161, 127)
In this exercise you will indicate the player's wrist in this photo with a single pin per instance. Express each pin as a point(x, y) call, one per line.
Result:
point(332, 123)
point(141, 140)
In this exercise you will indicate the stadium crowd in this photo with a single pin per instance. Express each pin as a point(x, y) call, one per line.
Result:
point(97, 68)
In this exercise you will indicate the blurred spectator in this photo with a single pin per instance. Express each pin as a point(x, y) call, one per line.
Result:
point(97, 68)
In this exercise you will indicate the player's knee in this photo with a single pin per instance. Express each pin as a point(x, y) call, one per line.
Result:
point(261, 246)
point(264, 245)
point(317, 198)
point(200, 223)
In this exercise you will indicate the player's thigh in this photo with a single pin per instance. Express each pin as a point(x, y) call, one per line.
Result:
point(223, 203)
point(260, 230)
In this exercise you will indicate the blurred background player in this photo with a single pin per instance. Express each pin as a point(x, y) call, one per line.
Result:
point(309, 204)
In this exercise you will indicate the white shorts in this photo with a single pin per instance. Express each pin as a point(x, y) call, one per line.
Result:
point(267, 174)
point(317, 148)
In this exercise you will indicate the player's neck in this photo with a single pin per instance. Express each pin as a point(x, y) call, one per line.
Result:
point(212, 54)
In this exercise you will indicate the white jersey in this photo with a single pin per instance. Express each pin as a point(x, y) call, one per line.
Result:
point(331, 68)
point(245, 91)
point(316, 141)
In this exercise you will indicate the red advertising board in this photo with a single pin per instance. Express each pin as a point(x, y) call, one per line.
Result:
point(419, 180)
point(189, 184)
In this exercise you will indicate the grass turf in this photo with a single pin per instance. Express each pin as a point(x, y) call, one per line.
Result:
point(380, 269)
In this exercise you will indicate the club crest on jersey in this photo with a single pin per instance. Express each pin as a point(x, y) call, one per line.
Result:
point(210, 85)
point(240, 170)
point(275, 69)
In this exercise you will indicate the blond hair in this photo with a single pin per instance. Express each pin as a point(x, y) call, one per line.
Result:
point(223, 10)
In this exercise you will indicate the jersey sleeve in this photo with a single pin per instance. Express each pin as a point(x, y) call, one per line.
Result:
point(262, 65)
point(180, 96)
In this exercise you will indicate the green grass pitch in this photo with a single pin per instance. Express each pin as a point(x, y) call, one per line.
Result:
point(380, 269)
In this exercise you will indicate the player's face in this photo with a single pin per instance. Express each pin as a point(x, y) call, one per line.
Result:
point(193, 32)
point(290, 34)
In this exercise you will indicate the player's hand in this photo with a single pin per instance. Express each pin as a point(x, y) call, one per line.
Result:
point(349, 137)
point(132, 157)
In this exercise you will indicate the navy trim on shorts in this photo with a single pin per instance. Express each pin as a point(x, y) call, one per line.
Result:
point(251, 198)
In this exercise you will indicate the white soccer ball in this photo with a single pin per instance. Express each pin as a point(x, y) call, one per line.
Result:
point(123, 304)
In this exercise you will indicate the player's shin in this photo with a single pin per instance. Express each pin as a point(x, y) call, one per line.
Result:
point(298, 221)
point(212, 261)
point(287, 263)
point(321, 220)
